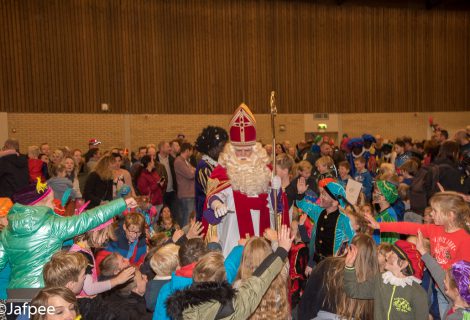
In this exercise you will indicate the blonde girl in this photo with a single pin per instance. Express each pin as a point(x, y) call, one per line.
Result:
point(448, 236)
point(274, 304)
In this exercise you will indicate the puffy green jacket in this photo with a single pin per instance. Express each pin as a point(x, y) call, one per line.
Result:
point(34, 234)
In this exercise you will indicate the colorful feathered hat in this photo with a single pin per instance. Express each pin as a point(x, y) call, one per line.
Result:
point(32, 194)
point(336, 192)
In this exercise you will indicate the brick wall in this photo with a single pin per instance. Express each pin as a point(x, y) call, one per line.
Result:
point(131, 131)
point(392, 125)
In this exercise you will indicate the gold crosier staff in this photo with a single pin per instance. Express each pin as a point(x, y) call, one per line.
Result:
point(273, 106)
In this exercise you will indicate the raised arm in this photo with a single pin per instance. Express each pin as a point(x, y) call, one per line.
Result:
point(400, 227)
point(69, 227)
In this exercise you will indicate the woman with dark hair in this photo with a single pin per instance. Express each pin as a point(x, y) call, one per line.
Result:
point(91, 159)
point(431, 149)
point(121, 178)
point(165, 222)
point(150, 183)
point(324, 295)
point(450, 177)
point(280, 149)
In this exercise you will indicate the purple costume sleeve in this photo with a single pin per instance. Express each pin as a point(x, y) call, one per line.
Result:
point(209, 214)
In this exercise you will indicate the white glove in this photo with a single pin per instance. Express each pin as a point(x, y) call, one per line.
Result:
point(220, 209)
point(276, 183)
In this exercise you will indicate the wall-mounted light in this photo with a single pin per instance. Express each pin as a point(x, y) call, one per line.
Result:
point(104, 107)
point(322, 127)
point(282, 127)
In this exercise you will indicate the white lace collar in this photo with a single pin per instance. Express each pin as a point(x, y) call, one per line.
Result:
point(209, 160)
point(389, 278)
point(162, 278)
point(359, 155)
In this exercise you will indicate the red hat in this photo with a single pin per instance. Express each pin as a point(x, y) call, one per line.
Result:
point(242, 127)
point(94, 142)
point(407, 251)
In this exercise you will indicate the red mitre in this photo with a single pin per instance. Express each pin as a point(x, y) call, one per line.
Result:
point(242, 127)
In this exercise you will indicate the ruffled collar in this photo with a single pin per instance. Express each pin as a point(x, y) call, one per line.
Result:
point(358, 155)
point(209, 160)
point(389, 278)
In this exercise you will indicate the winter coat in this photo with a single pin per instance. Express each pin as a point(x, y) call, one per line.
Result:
point(450, 177)
point(232, 262)
point(14, 174)
point(218, 300)
point(148, 184)
point(96, 309)
point(128, 307)
point(35, 233)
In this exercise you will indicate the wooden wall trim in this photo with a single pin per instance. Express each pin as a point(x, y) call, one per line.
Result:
point(207, 56)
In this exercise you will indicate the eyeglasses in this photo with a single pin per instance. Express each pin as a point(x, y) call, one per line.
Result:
point(135, 233)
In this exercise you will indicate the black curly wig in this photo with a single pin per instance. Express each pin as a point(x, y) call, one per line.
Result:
point(211, 141)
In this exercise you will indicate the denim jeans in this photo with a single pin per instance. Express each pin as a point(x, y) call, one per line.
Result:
point(443, 303)
point(186, 206)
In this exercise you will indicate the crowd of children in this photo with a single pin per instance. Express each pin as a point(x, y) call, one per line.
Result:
point(97, 236)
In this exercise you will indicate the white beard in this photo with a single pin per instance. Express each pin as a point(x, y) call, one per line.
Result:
point(250, 176)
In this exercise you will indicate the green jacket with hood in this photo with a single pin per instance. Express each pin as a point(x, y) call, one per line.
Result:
point(35, 233)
